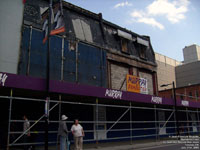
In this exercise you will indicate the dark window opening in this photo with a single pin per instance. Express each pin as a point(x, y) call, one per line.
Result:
point(190, 94)
point(143, 51)
point(181, 97)
point(197, 94)
point(124, 45)
point(130, 71)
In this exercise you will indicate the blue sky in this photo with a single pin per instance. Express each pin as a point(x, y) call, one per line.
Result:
point(171, 24)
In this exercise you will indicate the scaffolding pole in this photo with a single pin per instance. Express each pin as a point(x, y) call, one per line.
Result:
point(198, 123)
point(187, 126)
point(156, 126)
point(97, 123)
point(9, 119)
point(131, 126)
point(175, 123)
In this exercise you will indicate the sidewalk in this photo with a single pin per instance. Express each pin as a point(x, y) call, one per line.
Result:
point(123, 146)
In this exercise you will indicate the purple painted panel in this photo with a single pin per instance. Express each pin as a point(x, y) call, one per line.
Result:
point(20, 81)
point(24, 82)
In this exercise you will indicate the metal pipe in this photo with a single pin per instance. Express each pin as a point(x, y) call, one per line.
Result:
point(131, 126)
point(62, 59)
point(46, 118)
point(188, 129)
point(29, 51)
point(9, 118)
point(77, 62)
point(97, 124)
point(118, 120)
point(32, 125)
point(156, 127)
point(198, 124)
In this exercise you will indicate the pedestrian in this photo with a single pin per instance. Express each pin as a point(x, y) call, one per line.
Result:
point(63, 132)
point(26, 131)
point(78, 133)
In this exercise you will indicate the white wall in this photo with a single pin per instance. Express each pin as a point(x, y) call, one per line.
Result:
point(11, 16)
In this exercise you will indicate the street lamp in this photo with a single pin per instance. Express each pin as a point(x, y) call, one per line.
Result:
point(175, 106)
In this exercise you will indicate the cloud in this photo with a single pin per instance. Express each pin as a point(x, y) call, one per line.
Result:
point(174, 11)
point(140, 16)
point(151, 21)
point(123, 4)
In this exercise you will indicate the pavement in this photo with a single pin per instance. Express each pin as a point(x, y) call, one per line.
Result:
point(141, 146)
point(135, 145)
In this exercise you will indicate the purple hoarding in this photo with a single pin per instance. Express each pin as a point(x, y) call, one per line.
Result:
point(24, 82)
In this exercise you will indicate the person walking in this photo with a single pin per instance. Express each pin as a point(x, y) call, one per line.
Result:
point(78, 133)
point(26, 131)
point(63, 132)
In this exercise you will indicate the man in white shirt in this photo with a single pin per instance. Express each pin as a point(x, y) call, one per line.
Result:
point(78, 133)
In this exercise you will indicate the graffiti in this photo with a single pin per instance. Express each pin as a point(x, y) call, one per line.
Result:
point(113, 94)
point(3, 78)
point(157, 100)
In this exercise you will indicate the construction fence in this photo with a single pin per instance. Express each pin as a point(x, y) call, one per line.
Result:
point(102, 121)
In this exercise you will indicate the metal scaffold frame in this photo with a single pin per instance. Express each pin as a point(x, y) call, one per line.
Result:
point(127, 110)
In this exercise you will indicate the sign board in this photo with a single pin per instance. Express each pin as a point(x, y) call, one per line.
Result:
point(136, 84)
point(143, 86)
point(133, 83)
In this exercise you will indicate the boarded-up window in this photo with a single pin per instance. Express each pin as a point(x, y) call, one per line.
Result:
point(82, 30)
point(143, 51)
point(118, 76)
point(149, 81)
point(124, 45)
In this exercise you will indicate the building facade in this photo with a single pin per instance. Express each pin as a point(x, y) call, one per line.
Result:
point(190, 93)
point(191, 53)
point(89, 65)
point(188, 74)
point(165, 70)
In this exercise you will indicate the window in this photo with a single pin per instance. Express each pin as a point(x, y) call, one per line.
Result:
point(190, 94)
point(181, 97)
point(143, 51)
point(82, 30)
point(197, 94)
point(124, 45)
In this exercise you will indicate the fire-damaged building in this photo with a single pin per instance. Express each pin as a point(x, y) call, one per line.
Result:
point(100, 73)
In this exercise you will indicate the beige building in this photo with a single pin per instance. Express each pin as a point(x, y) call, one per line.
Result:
point(191, 53)
point(165, 70)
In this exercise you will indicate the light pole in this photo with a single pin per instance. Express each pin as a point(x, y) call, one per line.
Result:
point(175, 106)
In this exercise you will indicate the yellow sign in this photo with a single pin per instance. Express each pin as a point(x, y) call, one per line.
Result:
point(133, 83)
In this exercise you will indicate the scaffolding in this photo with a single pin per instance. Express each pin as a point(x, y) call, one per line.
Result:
point(123, 123)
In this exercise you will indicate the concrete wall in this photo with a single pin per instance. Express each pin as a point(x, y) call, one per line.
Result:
point(11, 15)
point(191, 53)
point(165, 70)
point(188, 74)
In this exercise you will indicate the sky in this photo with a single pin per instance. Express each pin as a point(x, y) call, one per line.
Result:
point(171, 24)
